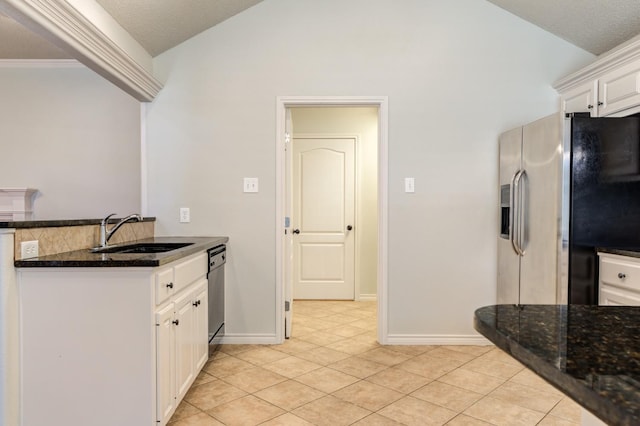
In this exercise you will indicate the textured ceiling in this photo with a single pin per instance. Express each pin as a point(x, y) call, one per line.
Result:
point(594, 25)
point(158, 25)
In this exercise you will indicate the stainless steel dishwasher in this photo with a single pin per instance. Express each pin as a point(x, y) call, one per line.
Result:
point(215, 276)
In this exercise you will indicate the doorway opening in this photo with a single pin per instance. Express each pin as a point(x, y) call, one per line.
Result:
point(332, 191)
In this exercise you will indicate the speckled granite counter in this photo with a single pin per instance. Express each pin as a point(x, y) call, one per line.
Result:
point(85, 258)
point(22, 224)
point(631, 252)
point(591, 353)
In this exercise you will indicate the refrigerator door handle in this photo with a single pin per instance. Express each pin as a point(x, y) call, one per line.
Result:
point(522, 211)
point(514, 231)
point(516, 225)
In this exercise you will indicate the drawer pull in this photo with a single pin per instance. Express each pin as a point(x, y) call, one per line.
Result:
point(176, 322)
point(170, 285)
point(621, 275)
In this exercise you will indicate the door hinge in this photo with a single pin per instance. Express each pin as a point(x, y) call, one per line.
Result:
point(287, 306)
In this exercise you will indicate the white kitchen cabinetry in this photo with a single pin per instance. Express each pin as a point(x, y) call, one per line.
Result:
point(92, 352)
point(608, 86)
point(619, 89)
point(581, 99)
point(619, 280)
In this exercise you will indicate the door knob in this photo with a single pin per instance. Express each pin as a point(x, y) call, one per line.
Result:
point(349, 227)
point(296, 231)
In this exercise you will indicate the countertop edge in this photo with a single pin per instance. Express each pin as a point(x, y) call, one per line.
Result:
point(85, 259)
point(588, 399)
point(54, 223)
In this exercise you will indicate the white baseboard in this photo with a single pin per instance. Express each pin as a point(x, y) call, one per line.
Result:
point(368, 297)
point(437, 339)
point(246, 339)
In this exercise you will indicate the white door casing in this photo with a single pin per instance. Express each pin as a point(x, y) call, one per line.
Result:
point(282, 104)
point(323, 213)
point(288, 249)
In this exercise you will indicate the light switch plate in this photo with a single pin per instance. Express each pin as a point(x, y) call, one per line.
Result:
point(250, 184)
point(185, 215)
point(409, 184)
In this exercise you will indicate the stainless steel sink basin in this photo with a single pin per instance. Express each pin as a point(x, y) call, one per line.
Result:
point(141, 248)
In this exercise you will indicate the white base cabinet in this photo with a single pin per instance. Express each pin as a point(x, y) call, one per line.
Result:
point(110, 346)
point(619, 280)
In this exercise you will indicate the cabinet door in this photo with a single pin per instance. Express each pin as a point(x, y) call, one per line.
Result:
point(165, 364)
point(201, 331)
point(619, 89)
point(185, 315)
point(581, 99)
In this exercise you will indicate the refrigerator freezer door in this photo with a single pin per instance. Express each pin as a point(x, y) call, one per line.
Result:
point(542, 149)
point(510, 147)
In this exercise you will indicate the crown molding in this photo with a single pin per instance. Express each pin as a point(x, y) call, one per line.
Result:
point(612, 59)
point(60, 23)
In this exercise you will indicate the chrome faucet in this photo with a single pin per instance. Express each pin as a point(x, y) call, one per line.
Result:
point(105, 234)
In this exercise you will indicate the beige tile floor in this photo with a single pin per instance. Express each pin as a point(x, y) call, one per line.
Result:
point(333, 372)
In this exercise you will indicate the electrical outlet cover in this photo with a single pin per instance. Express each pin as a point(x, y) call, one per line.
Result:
point(28, 249)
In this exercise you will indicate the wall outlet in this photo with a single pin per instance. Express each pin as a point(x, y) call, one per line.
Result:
point(28, 249)
point(250, 184)
point(185, 215)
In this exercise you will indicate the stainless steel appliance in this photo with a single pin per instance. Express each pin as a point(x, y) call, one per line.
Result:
point(568, 185)
point(215, 276)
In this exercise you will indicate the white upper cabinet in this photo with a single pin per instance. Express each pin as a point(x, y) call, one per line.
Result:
point(608, 86)
point(581, 99)
point(619, 89)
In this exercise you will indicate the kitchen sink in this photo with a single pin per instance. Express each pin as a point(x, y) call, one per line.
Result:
point(141, 248)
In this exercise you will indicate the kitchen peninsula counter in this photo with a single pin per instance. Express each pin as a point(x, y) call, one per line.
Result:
point(591, 353)
point(85, 258)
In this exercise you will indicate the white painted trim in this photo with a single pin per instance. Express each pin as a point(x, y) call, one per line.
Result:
point(248, 339)
point(380, 102)
point(437, 339)
point(144, 187)
point(40, 63)
point(10, 408)
point(60, 23)
point(367, 297)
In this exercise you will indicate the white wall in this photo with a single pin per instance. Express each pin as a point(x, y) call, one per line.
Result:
point(73, 136)
point(362, 122)
point(456, 73)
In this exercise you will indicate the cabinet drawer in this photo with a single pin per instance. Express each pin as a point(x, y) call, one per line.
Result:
point(610, 296)
point(165, 285)
point(190, 270)
point(619, 272)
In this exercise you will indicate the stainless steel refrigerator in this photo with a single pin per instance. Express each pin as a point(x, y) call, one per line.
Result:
point(568, 186)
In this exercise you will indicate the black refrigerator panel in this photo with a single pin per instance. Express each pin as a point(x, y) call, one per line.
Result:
point(605, 196)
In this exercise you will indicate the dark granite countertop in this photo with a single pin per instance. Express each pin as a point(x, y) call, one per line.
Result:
point(631, 252)
point(591, 353)
point(84, 258)
point(58, 223)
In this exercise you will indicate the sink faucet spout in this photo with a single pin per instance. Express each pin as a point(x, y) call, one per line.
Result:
point(106, 234)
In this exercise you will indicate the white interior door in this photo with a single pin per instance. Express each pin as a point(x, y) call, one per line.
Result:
point(323, 218)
